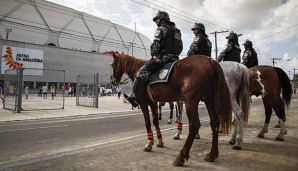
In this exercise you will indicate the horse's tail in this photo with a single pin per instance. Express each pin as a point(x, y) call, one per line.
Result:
point(222, 97)
point(244, 94)
point(285, 86)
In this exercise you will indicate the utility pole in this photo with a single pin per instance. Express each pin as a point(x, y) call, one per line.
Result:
point(273, 60)
point(7, 32)
point(215, 35)
point(294, 81)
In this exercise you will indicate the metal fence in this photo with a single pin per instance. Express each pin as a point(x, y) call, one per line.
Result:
point(87, 91)
point(47, 95)
point(10, 89)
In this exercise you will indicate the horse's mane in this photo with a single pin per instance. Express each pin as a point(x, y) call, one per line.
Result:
point(131, 63)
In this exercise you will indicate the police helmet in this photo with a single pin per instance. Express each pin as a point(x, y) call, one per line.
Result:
point(248, 43)
point(162, 15)
point(198, 26)
point(232, 36)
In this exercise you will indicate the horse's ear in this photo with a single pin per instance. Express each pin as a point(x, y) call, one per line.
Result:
point(115, 55)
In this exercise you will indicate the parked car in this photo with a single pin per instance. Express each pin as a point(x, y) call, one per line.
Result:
point(105, 91)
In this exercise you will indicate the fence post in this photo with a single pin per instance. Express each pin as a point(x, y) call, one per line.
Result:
point(96, 90)
point(20, 90)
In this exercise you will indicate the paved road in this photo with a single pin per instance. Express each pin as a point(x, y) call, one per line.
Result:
point(103, 142)
point(31, 139)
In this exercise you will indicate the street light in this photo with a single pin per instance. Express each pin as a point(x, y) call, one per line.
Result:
point(284, 63)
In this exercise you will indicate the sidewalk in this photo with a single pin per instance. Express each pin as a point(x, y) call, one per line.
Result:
point(107, 104)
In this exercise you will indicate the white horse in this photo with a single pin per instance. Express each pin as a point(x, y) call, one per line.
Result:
point(238, 82)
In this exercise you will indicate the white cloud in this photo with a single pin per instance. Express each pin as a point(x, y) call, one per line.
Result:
point(255, 19)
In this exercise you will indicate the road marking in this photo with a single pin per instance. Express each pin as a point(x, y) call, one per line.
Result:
point(25, 129)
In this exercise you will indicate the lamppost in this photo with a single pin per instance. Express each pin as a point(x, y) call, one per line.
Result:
point(284, 63)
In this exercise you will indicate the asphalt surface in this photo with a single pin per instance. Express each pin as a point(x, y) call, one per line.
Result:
point(102, 139)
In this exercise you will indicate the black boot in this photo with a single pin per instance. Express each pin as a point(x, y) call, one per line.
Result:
point(132, 99)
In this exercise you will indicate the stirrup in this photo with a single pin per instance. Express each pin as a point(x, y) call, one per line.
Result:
point(131, 100)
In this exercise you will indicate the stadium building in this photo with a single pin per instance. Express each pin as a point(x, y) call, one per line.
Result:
point(50, 37)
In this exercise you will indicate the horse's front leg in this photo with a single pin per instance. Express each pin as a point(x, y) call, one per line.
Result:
point(150, 142)
point(178, 121)
point(156, 124)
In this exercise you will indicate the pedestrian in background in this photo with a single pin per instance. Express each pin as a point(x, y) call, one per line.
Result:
point(118, 90)
point(45, 91)
point(26, 92)
point(53, 90)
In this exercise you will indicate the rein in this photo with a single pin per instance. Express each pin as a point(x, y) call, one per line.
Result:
point(127, 80)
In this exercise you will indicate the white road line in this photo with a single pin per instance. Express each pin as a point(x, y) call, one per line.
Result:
point(25, 129)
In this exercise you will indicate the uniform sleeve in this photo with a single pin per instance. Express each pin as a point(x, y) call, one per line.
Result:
point(156, 45)
point(194, 47)
point(245, 58)
point(225, 52)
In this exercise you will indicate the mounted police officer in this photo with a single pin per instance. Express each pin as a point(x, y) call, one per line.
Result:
point(232, 50)
point(201, 45)
point(166, 47)
point(250, 57)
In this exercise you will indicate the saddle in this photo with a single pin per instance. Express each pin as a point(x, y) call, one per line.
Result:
point(161, 75)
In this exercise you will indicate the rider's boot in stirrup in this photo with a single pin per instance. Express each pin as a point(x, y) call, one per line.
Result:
point(138, 90)
point(132, 99)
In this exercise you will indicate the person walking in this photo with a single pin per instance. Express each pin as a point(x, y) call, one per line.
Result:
point(53, 90)
point(26, 92)
point(166, 47)
point(45, 91)
point(118, 90)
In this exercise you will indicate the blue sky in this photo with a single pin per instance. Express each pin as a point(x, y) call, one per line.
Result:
point(273, 21)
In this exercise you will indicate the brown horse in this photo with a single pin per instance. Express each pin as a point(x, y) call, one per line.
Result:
point(269, 82)
point(191, 79)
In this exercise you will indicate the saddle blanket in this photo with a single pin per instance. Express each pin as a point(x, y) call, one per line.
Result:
point(161, 75)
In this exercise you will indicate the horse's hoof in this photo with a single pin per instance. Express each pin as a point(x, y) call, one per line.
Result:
point(279, 139)
point(159, 144)
point(208, 159)
point(146, 149)
point(176, 120)
point(260, 136)
point(177, 163)
point(232, 142)
point(235, 147)
point(176, 137)
point(198, 137)
point(169, 121)
point(277, 126)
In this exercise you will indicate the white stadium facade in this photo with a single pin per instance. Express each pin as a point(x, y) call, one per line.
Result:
point(61, 38)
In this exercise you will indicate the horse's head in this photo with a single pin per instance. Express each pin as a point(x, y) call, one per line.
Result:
point(117, 69)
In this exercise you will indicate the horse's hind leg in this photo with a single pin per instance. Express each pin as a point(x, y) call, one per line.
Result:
point(268, 113)
point(194, 125)
point(156, 124)
point(279, 109)
point(214, 122)
point(237, 136)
